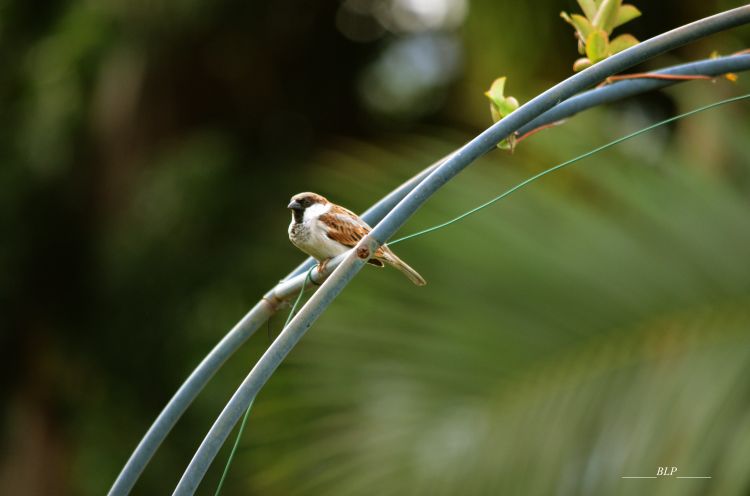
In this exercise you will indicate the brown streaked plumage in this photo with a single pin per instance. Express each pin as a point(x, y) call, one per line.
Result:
point(325, 230)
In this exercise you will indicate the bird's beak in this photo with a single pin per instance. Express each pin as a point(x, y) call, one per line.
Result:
point(294, 205)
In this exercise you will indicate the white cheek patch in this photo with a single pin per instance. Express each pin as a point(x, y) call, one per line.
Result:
point(316, 210)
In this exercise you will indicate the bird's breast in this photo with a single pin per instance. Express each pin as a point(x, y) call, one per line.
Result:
point(312, 238)
point(299, 232)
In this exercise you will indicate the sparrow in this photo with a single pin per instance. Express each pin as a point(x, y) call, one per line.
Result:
point(325, 230)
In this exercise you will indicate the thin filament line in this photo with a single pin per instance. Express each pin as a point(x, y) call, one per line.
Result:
point(566, 163)
point(299, 296)
point(247, 412)
point(234, 450)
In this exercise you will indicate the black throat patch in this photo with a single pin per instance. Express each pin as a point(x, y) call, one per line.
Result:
point(299, 215)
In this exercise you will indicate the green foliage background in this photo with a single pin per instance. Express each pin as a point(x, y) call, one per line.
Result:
point(592, 326)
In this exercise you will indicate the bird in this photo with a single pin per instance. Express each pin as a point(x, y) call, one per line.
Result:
point(325, 230)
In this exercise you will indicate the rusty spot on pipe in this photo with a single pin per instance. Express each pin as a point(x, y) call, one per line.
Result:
point(363, 252)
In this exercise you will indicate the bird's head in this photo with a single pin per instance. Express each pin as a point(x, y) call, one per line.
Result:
point(311, 203)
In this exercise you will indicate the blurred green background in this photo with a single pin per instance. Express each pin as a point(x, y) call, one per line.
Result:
point(593, 326)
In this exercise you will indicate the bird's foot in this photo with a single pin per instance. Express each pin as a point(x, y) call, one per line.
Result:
point(322, 265)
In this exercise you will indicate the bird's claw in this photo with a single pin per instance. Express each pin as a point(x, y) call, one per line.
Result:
point(322, 265)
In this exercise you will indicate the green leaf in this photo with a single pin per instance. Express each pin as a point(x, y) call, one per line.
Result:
point(581, 64)
point(621, 43)
point(497, 88)
point(582, 25)
point(567, 18)
point(588, 7)
point(597, 45)
point(495, 113)
point(508, 144)
point(507, 106)
point(606, 15)
point(626, 13)
point(500, 106)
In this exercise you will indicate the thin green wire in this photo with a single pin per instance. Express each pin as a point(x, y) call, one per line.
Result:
point(565, 164)
point(234, 450)
point(247, 412)
point(472, 211)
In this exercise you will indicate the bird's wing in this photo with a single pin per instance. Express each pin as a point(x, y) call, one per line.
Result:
point(344, 226)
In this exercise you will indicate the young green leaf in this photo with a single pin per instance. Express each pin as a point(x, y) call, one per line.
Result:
point(497, 88)
point(500, 105)
point(581, 64)
point(588, 7)
point(626, 13)
point(621, 43)
point(507, 106)
point(508, 143)
point(593, 33)
point(606, 15)
point(582, 25)
point(495, 114)
point(597, 45)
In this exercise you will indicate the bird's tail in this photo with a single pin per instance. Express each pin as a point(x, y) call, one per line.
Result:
point(391, 259)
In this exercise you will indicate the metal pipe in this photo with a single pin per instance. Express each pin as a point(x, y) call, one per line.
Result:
point(187, 393)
